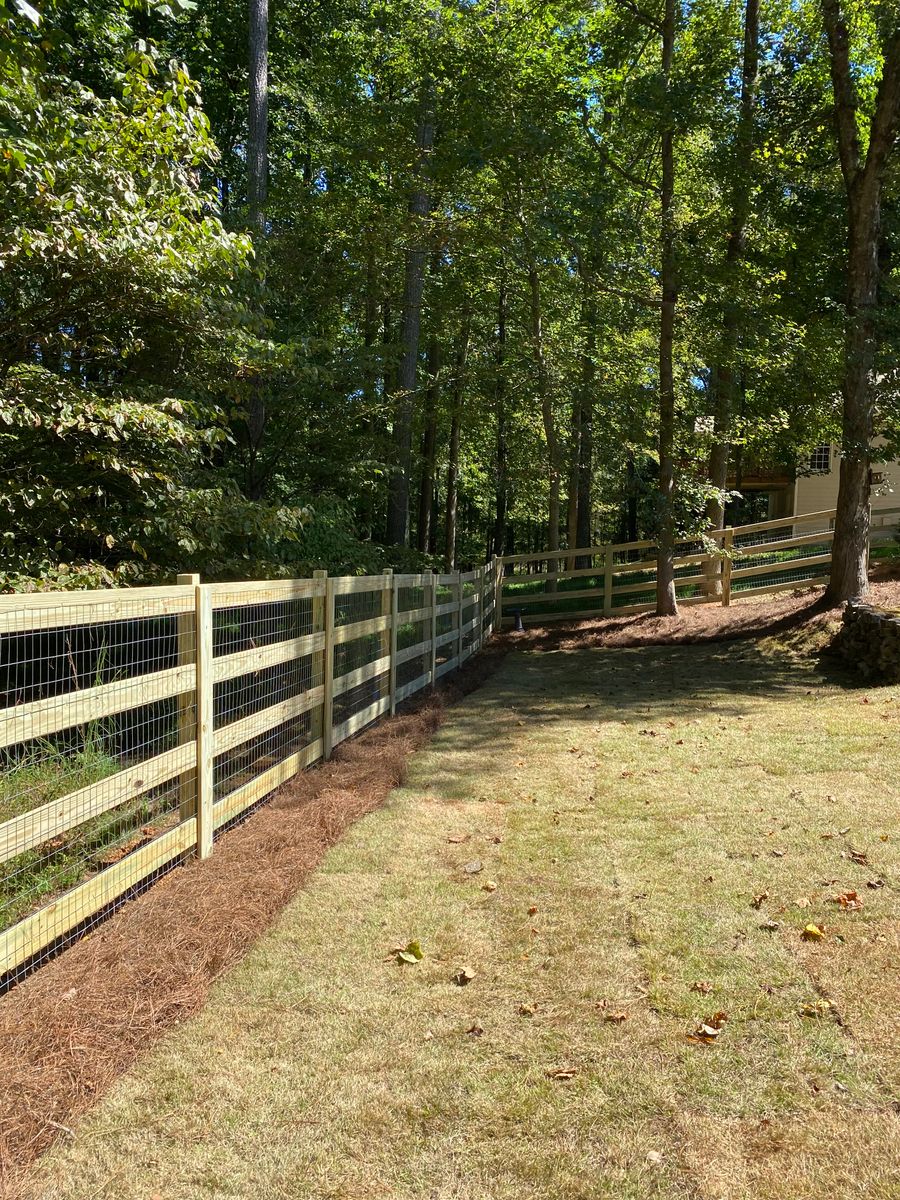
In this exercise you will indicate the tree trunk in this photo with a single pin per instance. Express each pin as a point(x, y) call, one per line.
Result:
point(546, 400)
point(723, 371)
point(258, 179)
point(666, 604)
point(585, 402)
point(413, 287)
point(501, 533)
point(429, 447)
point(863, 175)
point(457, 391)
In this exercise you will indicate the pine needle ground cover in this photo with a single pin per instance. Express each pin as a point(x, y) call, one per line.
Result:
point(654, 896)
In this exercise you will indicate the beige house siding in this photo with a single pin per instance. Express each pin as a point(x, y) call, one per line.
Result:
point(812, 493)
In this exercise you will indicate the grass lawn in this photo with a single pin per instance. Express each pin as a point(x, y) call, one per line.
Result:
point(624, 807)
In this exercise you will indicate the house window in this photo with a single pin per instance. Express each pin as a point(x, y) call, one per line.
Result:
point(820, 459)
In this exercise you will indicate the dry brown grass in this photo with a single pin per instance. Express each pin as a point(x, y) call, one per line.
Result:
point(640, 796)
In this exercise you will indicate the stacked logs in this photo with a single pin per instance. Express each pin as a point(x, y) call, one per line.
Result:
point(869, 639)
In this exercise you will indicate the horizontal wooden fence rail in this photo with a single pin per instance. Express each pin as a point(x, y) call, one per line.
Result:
point(136, 723)
point(758, 559)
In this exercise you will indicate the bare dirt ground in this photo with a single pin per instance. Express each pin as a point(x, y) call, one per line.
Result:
point(81, 1021)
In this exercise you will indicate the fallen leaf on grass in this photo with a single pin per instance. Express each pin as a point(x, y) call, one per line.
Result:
point(473, 867)
point(410, 953)
point(457, 839)
point(615, 1018)
point(770, 926)
point(527, 1010)
point(489, 886)
point(703, 986)
point(778, 853)
point(812, 933)
point(757, 900)
point(654, 1158)
point(708, 1031)
point(817, 1008)
point(857, 856)
point(848, 901)
point(532, 910)
point(801, 902)
point(562, 1073)
point(874, 883)
point(476, 1030)
point(463, 976)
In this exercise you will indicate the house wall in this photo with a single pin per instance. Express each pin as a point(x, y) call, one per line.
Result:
point(812, 493)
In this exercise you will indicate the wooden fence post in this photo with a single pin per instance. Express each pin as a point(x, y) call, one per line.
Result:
point(459, 621)
point(390, 594)
point(187, 701)
point(205, 719)
point(317, 716)
point(498, 593)
point(607, 580)
point(328, 681)
point(495, 575)
point(434, 620)
point(727, 547)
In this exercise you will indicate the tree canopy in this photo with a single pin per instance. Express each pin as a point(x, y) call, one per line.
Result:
point(348, 284)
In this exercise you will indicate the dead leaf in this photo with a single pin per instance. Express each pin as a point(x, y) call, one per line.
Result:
point(817, 1008)
point(473, 867)
point(857, 856)
point(616, 1018)
point(708, 1031)
point(813, 933)
point(778, 853)
point(875, 883)
point(654, 1158)
point(801, 902)
point(463, 976)
point(527, 1010)
point(458, 838)
point(703, 986)
point(757, 900)
point(562, 1073)
point(532, 910)
point(770, 926)
point(410, 953)
point(849, 901)
point(476, 1030)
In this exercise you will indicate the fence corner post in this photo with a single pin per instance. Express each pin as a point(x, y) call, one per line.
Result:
point(607, 580)
point(727, 547)
point(205, 719)
point(495, 583)
point(390, 591)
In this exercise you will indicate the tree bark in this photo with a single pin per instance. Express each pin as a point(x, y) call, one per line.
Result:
point(457, 391)
point(547, 417)
point(258, 179)
point(666, 604)
point(501, 495)
point(863, 175)
point(723, 372)
point(429, 447)
point(413, 287)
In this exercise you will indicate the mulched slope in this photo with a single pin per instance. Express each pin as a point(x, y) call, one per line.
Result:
point(74, 1026)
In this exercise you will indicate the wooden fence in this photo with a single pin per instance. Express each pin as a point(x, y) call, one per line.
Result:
point(137, 723)
point(742, 561)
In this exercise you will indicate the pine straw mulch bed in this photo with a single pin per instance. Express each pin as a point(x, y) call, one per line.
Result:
point(71, 1028)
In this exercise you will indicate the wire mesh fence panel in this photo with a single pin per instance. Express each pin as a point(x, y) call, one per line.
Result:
point(134, 723)
point(268, 672)
point(96, 750)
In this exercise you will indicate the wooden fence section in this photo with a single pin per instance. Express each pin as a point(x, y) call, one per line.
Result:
point(725, 564)
point(136, 723)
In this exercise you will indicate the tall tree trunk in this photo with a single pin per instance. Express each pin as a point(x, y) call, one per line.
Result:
point(413, 287)
point(258, 179)
point(723, 371)
point(666, 604)
point(585, 402)
point(501, 533)
point(429, 447)
point(457, 391)
point(863, 174)
point(546, 400)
